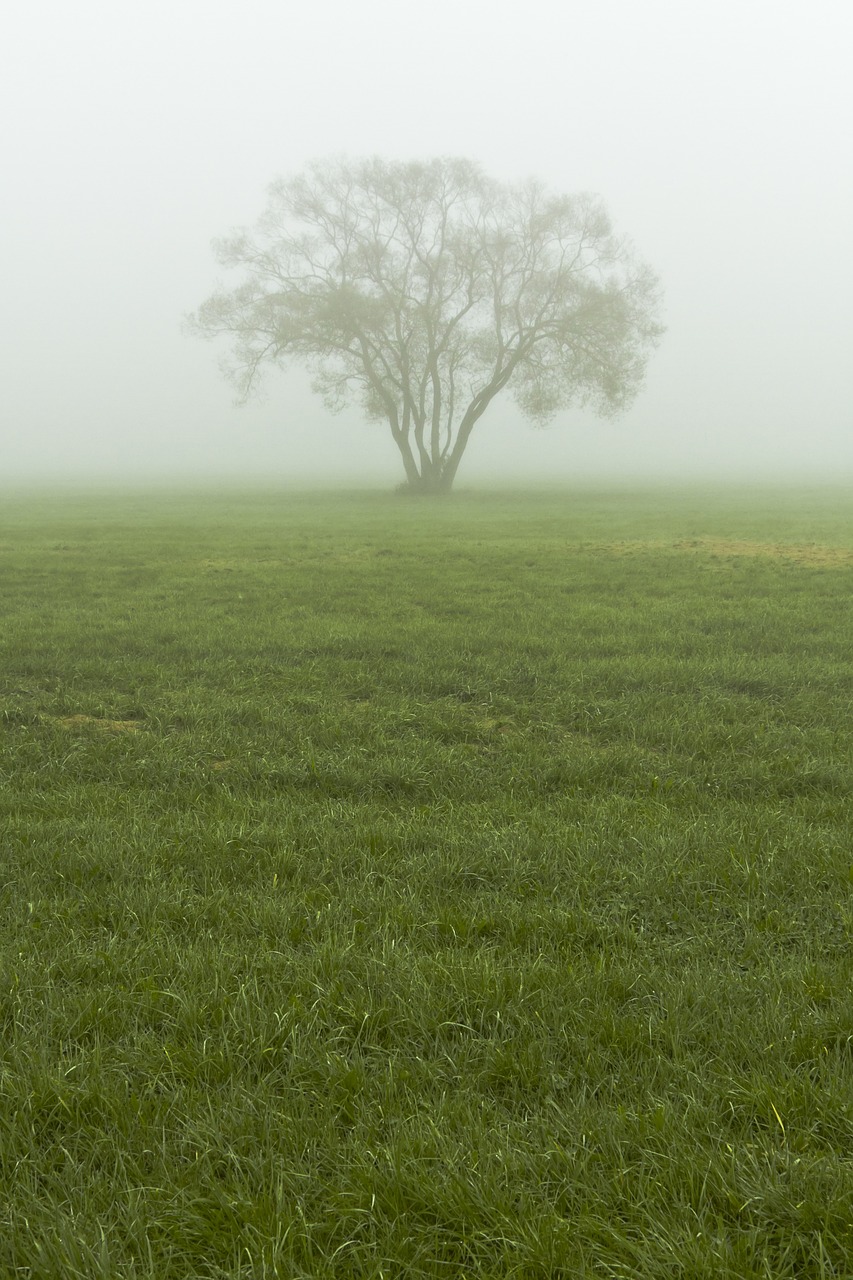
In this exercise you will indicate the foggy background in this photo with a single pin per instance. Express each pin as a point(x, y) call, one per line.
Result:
point(718, 135)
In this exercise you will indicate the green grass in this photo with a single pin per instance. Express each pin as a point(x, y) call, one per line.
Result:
point(396, 888)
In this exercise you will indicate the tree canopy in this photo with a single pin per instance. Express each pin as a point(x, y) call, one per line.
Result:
point(424, 289)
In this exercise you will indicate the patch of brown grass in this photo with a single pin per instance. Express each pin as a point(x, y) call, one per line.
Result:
point(105, 726)
point(811, 554)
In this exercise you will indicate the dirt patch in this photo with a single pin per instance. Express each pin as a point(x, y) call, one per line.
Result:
point(105, 726)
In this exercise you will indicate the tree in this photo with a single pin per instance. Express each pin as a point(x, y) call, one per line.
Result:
point(425, 289)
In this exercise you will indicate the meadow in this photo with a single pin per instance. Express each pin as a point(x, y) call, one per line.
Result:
point(407, 888)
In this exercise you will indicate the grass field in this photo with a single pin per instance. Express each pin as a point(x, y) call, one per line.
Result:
point(395, 888)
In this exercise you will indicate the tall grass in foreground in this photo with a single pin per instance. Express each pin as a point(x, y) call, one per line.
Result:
point(406, 889)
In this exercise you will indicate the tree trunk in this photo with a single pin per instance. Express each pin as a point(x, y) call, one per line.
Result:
point(411, 467)
point(432, 481)
point(431, 478)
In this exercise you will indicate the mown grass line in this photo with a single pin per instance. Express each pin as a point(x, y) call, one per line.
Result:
point(427, 889)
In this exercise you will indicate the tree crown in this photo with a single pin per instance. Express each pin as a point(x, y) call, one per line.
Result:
point(424, 289)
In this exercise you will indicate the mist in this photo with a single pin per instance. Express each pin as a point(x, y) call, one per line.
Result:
point(718, 139)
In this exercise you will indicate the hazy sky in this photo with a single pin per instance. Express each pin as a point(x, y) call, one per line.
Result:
point(133, 133)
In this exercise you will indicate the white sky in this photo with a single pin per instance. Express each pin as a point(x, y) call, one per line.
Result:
point(720, 136)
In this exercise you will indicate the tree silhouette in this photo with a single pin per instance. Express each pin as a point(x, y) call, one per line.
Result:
point(424, 289)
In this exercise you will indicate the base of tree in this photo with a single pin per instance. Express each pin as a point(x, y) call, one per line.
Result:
point(424, 489)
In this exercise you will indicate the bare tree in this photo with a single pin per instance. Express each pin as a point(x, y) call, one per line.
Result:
point(425, 289)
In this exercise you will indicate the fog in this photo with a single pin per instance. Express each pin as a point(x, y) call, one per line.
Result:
point(718, 136)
